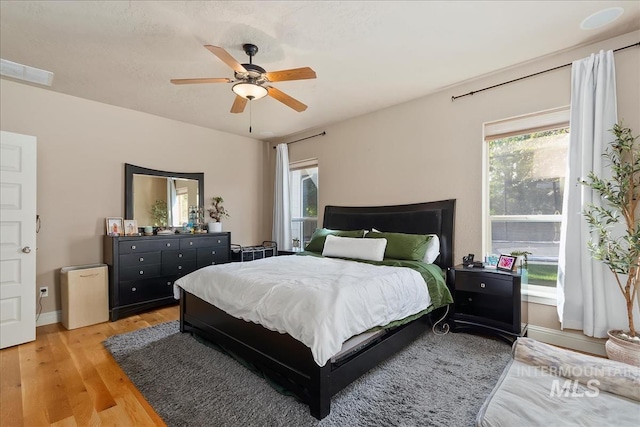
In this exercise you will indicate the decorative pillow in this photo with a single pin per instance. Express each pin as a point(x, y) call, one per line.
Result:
point(403, 246)
point(316, 244)
point(356, 248)
point(433, 247)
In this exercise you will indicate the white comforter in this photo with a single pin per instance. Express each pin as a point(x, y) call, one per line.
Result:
point(321, 302)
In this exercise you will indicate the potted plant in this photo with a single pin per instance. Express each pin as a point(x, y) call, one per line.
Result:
point(523, 269)
point(615, 228)
point(216, 213)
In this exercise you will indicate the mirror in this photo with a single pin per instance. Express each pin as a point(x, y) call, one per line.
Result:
point(168, 195)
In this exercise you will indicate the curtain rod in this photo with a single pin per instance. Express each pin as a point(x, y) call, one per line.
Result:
point(302, 139)
point(453, 98)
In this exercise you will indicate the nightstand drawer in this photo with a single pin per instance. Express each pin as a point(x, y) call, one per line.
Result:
point(484, 283)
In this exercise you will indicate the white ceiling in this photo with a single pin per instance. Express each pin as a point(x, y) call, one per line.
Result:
point(367, 55)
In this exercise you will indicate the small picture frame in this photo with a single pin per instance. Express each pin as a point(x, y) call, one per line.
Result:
point(506, 262)
point(114, 226)
point(130, 227)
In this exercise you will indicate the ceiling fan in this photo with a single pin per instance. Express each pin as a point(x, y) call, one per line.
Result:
point(252, 81)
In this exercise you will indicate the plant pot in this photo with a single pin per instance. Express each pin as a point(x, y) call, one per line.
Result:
point(622, 350)
point(214, 227)
point(524, 275)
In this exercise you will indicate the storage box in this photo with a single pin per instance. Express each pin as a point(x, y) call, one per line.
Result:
point(84, 293)
point(250, 253)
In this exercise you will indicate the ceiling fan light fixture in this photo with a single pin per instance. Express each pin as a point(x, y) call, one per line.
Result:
point(250, 91)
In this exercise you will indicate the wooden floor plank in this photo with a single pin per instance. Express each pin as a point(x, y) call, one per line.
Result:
point(67, 378)
point(11, 386)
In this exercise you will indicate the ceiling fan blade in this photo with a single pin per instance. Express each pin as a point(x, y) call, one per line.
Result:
point(203, 80)
point(226, 58)
point(292, 74)
point(286, 99)
point(238, 104)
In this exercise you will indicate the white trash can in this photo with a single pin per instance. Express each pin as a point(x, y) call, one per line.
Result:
point(84, 291)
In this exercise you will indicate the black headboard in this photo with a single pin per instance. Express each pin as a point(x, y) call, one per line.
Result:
point(418, 218)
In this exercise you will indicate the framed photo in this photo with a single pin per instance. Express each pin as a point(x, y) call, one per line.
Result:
point(506, 262)
point(130, 227)
point(114, 227)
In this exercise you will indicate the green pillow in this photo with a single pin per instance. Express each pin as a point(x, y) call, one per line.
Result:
point(403, 246)
point(316, 244)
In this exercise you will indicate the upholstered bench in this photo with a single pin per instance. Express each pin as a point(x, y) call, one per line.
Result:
point(548, 386)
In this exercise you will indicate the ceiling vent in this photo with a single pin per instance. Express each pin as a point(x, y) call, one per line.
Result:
point(26, 73)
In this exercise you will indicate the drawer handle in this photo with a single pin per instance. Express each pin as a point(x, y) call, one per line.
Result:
point(168, 283)
point(133, 289)
point(141, 271)
point(133, 246)
point(168, 244)
point(141, 259)
point(218, 241)
point(190, 243)
point(213, 262)
point(482, 285)
point(179, 267)
point(179, 255)
point(213, 252)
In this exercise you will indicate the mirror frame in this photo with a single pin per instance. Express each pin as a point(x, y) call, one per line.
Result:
point(130, 170)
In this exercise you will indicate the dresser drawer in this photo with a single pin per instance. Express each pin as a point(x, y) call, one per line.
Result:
point(145, 290)
point(211, 256)
point(490, 284)
point(179, 268)
point(178, 256)
point(144, 258)
point(140, 272)
point(136, 246)
point(203, 242)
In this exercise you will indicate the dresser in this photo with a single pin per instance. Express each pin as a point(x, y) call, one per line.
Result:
point(489, 301)
point(142, 269)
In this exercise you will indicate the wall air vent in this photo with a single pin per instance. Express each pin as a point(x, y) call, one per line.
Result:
point(26, 73)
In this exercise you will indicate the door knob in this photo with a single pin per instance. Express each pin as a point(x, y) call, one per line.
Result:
point(26, 249)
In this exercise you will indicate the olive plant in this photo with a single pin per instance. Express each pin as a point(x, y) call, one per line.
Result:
point(618, 249)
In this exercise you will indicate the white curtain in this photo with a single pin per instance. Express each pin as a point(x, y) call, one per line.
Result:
point(281, 208)
point(173, 211)
point(588, 297)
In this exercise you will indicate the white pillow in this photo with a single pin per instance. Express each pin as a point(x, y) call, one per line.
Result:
point(433, 247)
point(354, 247)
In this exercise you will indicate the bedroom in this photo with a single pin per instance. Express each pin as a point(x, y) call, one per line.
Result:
point(80, 140)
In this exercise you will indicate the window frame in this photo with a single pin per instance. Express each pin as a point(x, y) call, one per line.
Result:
point(556, 118)
point(299, 165)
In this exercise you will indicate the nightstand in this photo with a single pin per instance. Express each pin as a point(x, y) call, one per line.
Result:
point(290, 251)
point(488, 300)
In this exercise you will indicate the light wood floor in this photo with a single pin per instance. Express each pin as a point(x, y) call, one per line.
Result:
point(67, 378)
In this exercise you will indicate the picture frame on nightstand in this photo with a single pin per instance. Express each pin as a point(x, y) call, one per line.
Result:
point(506, 263)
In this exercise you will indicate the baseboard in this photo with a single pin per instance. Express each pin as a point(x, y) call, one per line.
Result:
point(49, 317)
point(566, 339)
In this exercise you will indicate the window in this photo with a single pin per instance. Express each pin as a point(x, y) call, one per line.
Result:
point(525, 160)
point(303, 179)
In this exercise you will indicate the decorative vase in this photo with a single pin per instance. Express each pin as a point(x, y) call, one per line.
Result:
point(214, 227)
point(621, 350)
point(524, 275)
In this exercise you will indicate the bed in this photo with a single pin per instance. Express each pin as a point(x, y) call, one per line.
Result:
point(288, 361)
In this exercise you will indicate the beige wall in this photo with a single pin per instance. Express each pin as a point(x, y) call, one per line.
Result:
point(431, 148)
point(82, 148)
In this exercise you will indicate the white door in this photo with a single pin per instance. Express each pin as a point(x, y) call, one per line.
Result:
point(17, 239)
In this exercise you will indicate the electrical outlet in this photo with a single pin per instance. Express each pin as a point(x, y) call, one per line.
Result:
point(44, 291)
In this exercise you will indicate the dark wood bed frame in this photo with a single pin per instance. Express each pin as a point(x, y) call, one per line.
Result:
point(290, 362)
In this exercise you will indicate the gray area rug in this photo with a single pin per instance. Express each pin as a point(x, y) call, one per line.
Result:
point(439, 380)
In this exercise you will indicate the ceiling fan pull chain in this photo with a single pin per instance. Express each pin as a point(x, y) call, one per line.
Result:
point(249, 116)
